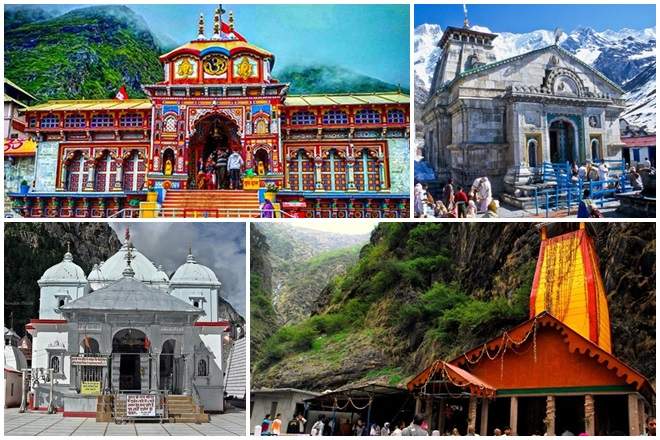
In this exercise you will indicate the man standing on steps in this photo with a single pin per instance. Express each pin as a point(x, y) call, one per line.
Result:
point(234, 163)
point(221, 168)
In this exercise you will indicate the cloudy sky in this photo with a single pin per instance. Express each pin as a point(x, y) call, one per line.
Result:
point(219, 246)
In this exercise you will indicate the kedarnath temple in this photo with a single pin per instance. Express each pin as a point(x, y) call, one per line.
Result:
point(126, 328)
point(520, 121)
point(555, 374)
point(344, 155)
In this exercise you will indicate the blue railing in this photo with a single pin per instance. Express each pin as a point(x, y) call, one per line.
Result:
point(567, 193)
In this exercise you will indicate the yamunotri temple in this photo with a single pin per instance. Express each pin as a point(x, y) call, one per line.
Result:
point(343, 155)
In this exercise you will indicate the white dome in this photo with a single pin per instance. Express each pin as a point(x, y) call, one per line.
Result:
point(14, 358)
point(193, 273)
point(66, 271)
point(96, 278)
point(113, 268)
point(160, 276)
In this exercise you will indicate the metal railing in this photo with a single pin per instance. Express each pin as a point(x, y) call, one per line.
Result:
point(566, 197)
point(196, 213)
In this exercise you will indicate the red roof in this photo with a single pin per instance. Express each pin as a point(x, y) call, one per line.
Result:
point(454, 375)
point(639, 141)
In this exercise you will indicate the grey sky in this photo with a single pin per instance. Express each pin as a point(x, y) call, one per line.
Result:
point(219, 246)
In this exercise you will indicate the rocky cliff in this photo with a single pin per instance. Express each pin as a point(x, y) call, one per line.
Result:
point(426, 291)
point(31, 248)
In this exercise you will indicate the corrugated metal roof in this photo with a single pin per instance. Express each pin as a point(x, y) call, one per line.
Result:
point(347, 99)
point(129, 294)
point(235, 381)
point(92, 104)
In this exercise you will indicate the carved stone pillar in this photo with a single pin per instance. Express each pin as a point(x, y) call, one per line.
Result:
point(513, 417)
point(483, 429)
point(633, 415)
point(187, 382)
point(550, 415)
point(589, 415)
point(472, 414)
point(155, 369)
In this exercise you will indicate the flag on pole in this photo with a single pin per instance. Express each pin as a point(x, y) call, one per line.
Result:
point(122, 94)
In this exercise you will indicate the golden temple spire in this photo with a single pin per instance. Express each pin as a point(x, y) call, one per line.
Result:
point(200, 27)
point(231, 21)
point(217, 22)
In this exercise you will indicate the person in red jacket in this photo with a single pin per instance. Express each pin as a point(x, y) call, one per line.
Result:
point(461, 200)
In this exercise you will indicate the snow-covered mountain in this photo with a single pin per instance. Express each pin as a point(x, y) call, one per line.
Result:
point(626, 56)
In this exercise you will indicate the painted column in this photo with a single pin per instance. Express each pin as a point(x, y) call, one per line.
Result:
point(483, 429)
point(633, 415)
point(472, 414)
point(89, 185)
point(513, 416)
point(318, 181)
point(418, 404)
point(381, 174)
point(642, 416)
point(119, 178)
point(428, 410)
point(350, 173)
point(550, 415)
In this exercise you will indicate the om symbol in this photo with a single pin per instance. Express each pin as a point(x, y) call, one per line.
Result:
point(215, 65)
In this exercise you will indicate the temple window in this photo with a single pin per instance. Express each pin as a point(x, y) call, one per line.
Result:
point(333, 172)
point(169, 124)
point(595, 149)
point(131, 120)
point(60, 303)
point(50, 121)
point(54, 363)
point(367, 116)
point(202, 368)
point(135, 172)
point(335, 117)
point(102, 120)
point(106, 173)
point(396, 116)
point(77, 173)
point(196, 303)
point(366, 172)
point(303, 118)
point(33, 122)
point(75, 121)
point(301, 172)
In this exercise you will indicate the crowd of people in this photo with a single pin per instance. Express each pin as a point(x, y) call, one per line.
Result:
point(325, 426)
point(455, 202)
point(222, 170)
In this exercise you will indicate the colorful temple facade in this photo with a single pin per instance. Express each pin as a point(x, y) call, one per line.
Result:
point(328, 155)
point(554, 374)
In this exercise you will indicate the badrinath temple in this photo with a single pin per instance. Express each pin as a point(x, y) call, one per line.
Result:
point(344, 155)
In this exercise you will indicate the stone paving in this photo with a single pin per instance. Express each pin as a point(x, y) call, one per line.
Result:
point(40, 423)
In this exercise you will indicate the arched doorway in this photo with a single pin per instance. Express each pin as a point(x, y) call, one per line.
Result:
point(261, 161)
point(128, 347)
point(563, 144)
point(167, 374)
point(532, 145)
point(212, 134)
point(595, 150)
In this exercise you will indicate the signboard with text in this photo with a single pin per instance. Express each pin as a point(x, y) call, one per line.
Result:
point(90, 361)
point(140, 406)
point(92, 388)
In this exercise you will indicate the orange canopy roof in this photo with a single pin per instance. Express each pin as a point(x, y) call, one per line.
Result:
point(454, 375)
point(20, 147)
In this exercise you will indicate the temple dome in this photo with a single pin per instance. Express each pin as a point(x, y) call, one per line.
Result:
point(192, 272)
point(113, 268)
point(95, 278)
point(160, 276)
point(14, 358)
point(64, 272)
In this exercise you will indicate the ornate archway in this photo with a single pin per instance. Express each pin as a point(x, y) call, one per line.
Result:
point(128, 349)
point(213, 134)
point(565, 138)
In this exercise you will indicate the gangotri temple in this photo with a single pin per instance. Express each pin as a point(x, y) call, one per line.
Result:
point(126, 327)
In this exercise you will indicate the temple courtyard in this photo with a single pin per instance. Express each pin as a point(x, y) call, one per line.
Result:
point(43, 424)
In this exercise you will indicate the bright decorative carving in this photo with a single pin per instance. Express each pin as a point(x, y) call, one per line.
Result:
point(185, 68)
point(245, 69)
point(215, 64)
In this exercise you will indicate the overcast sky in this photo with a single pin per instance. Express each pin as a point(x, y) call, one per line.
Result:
point(219, 246)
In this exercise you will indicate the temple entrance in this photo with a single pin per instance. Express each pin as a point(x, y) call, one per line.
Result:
point(167, 371)
point(569, 415)
point(531, 413)
point(215, 136)
point(611, 413)
point(499, 412)
point(563, 146)
point(128, 345)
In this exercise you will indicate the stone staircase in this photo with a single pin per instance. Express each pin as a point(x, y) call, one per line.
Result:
point(182, 409)
point(211, 203)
